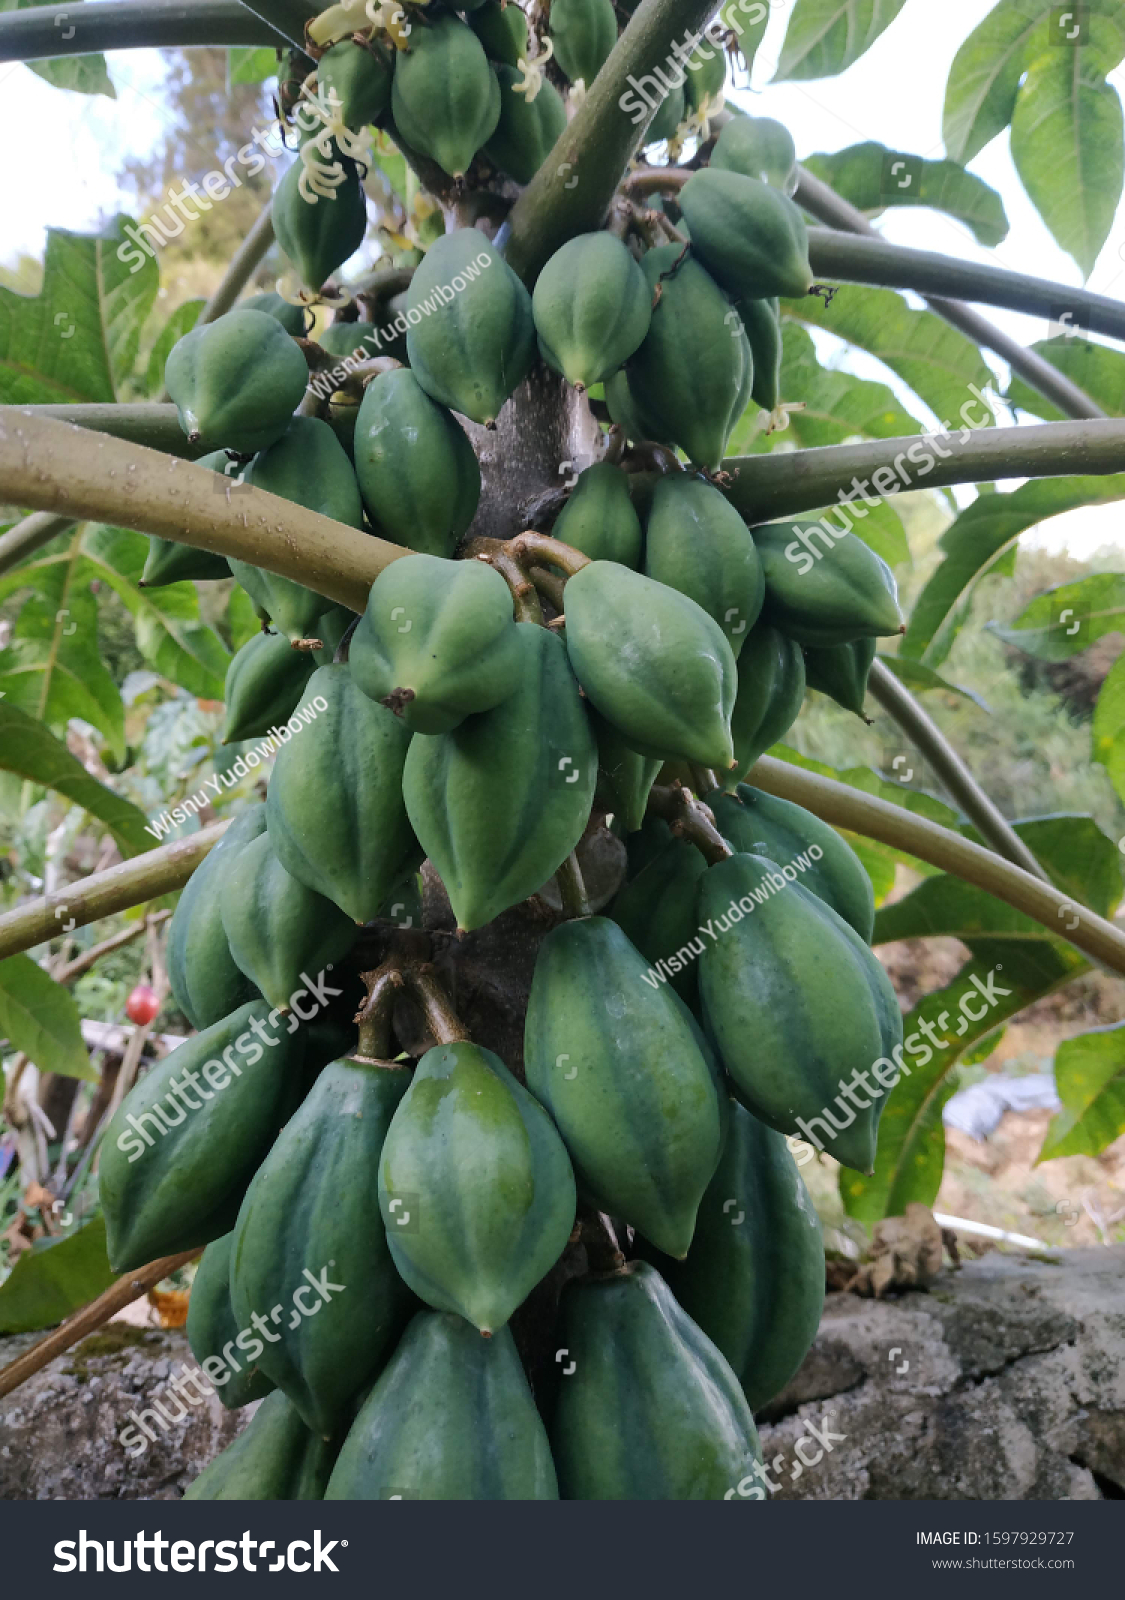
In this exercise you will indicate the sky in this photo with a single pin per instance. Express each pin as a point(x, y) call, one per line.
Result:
point(893, 94)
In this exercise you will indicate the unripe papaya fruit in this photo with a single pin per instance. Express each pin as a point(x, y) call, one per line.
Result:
point(825, 587)
point(646, 844)
point(696, 542)
point(207, 984)
point(653, 663)
point(528, 127)
point(599, 518)
point(360, 78)
point(755, 823)
point(169, 562)
point(264, 684)
point(237, 381)
point(275, 1457)
point(841, 671)
point(502, 30)
point(500, 802)
point(211, 1328)
point(625, 778)
point(758, 147)
point(345, 338)
point(169, 1182)
point(771, 691)
point(445, 98)
point(481, 1162)
point(657, 911)
point(278, 929)
point(417, 471)
point(614, 1058)
point(629, 412)
point(312, 1206)
point(796, 1005)
point(762, 321)
point(439, 640)
point(584, 32)
point(753, 1280)
point(592, 306)
point(693, 372)
point(652, 1410)
point(472, 349)
point(319, 234)
point(705, 76)
point(347, 767)
point(291, 317)
point(751, 238)
point(450, 1418)
point(673, 110)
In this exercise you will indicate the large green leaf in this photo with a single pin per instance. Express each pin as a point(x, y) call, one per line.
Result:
point(31, 751)
point(825, 36)
point(1096, 368)
point(919, 678)
point(873, 178)
point(984, 80)
point(55, 1278)
point(251, 64)
point(975, 544)
point(1065, 620)
point(936, 361)
point(1108, 733)
point(85, 74)
point(1090, 1079)
point(77, 339)
point(1068, 146)
point(38, 1016)
point(182, 321)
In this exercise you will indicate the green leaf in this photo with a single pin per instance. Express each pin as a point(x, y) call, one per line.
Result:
point(825, 36)
point(85, 74)
point(911, 1150)
point(31, 751)
point(182, 321)
point(55, 1278)
point(1098, 370)
point(869, 782)
point(1068, 619)
point(873, 178)
point(918, 678)
point(77, 339)
point(38, 1016)
point(242, 619)
point(1068, 146)
point(251, 64)
point(1108, 734)
point(936, 361)
point(984, 80)
point(974, 545)
point(1090, 1079)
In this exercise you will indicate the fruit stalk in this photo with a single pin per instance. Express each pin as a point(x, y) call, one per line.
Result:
point(24, 538)
point(689, 819)
point(529, 546)
point(374, 1018)
point(572, 888)
point(437, 1008)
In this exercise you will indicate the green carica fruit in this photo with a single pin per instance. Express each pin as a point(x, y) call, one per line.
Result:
point(336, 818)
point(758, 147)
point(451, 1417)
point(627, 777)
point(219, 1343)
point(236, 382)
point(612, 1054)
point(823, 586)
point(528, 127)
point(798, 1008)
point(696, 542)
point(751, 238)
point(653, 663)
point(475, 343)
point(841, 671)
point(320, 233)
point(762, 321)
point(672, 111)
point(760, 824)
point(584, 32)
point(274, 1458)
point(343, 339)
point(657, 911)
point(308, 1238)
point(480, 1162)
point(417, 471)
point(629, 412)
point(291, 317)
point(693, 372)
point(264, 685)
point(170, 562)
point(445, 98)
point(359, 77)
point(771, 691)
point(705, 76)
point(176, 1160)
point(599, 518)
point(500, 802)
point(438, 641)
point(753, 1280)
point(592, 307)
point(278, 929)
point(502, 30)
point(652, 1410)
point(207, 984)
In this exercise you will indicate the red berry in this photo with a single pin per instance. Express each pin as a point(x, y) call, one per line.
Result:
point(142, 1005)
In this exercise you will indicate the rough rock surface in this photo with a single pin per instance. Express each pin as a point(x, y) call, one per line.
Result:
point(1005, 1382)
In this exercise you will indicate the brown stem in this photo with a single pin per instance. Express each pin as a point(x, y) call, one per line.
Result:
point(689, 819)
point(529, 546)
point(549, 584)
point(83, 963)
point(443, 1022)
point(572, 888)
point(374, 1017)
point(656, 180)
point(525, 601)
point(603, 1254)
